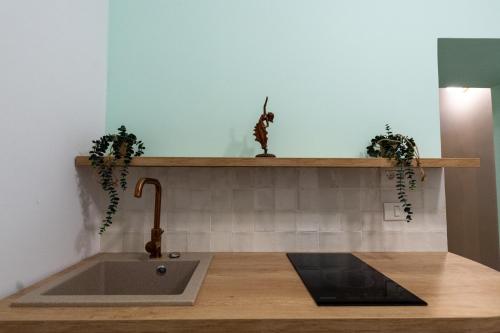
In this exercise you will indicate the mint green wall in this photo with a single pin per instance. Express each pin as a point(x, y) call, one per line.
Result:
point(470, 62)
point(190, 77)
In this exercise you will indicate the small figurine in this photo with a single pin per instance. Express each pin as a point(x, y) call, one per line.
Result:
point(260, 130)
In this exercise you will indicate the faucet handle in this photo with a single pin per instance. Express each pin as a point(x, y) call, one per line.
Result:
point(150, 247)
point(154, 246)
point(154, 249)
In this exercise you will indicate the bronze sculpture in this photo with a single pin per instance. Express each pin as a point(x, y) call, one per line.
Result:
point(260, 130)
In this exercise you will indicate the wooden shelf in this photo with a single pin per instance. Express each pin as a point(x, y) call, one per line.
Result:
point(286, 162)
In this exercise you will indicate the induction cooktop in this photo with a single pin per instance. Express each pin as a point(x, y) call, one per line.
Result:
point(342, 279)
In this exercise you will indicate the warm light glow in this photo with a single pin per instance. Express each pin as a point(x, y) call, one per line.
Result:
point(464, 100)
point(457, 89)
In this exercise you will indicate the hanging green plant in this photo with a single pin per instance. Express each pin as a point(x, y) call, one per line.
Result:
point(107, 152)
point(403, 150)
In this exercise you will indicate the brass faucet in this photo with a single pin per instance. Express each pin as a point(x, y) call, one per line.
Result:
point(153, 247)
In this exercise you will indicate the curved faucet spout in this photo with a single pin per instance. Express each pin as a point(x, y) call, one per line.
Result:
point(153, 246)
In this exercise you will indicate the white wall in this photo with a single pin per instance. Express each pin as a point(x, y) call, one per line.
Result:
point(52, 103)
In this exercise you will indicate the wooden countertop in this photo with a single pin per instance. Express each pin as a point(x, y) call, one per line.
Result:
point(261, 292)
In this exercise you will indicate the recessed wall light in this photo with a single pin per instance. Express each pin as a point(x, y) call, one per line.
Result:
point(458, 89)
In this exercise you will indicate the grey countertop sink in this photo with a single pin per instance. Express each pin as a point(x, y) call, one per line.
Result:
point(125, 279)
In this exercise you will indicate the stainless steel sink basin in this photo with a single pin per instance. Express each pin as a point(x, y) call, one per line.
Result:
point(125, 280)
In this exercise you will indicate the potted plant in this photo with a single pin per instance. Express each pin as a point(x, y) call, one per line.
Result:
point(108, 152)
point(404, 151)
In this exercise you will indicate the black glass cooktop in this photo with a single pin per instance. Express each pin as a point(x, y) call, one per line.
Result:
point(343, 279)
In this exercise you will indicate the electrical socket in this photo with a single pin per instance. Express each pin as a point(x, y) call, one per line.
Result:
point(393, 211)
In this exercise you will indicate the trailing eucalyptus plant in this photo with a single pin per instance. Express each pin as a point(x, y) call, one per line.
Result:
point(403, 150)
point(108, 152)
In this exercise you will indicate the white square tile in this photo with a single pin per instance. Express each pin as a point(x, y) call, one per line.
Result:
point(285, 241)
point(416, 224)
point(167, 201)
point(177, 221)
point(178, 177)
point(372, 241)
point(222, 199)
point(199, 178)
point(371, 200)
point(222, 178)
point(340, 241)
point(244, 222)
point(286, 177)
point(308, 178)
point(175, 241)
point(243, 200)
point(286, 199)
point(308, 221)
point(387, 178)
point(200, 199)
point(221, 221)
point(307, 241)
point(262, 209)
point(395, 241)
point(330, 199)
point(285, 221)
point(264, 221)
point(396, 225)
point(330, 222)
point(111, 241)
point(351, 198)
point(309, 200)
point(434, 200)
point(389, 195)
point(349, 177)
point(242, 242)
point(220, 242)
point(351, 221)
point(198, 221)
point(133, 242)
point(133, 176)
point(437, 241)
point(434, 178)
point(159, 173)
point(264, 199)
point(384, 241)
point(327, 178)
point(264, 242)
point(416, 198)
point(198, 242)
point(435, 222)
point(182, 198)
point(370, 178)
point(264, 178)
point(120, 222)
point(372, 221)
point(244, 177)
point(129, 202)
point(417, 241)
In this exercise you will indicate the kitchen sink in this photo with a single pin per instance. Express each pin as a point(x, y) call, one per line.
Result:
point(125, 280)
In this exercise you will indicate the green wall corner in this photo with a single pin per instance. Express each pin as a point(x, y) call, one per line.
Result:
point(495, 94)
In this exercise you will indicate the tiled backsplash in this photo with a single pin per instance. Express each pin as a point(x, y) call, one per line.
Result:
point(278, 209)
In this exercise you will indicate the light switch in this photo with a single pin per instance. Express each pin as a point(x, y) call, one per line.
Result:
point(393, 211)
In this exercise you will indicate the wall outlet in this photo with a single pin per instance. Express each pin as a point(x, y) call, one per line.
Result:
point(393, 211)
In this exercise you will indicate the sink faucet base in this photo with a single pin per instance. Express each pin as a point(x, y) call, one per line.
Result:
point(153, 247)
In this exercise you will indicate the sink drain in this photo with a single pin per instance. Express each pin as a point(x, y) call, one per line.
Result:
point(161, 270)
